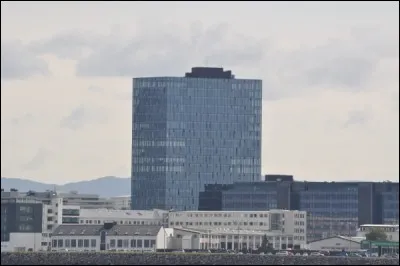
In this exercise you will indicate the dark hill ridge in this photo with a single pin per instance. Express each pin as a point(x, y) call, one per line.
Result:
point(109, 186)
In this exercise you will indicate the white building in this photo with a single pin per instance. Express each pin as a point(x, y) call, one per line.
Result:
point(20, 242)
point(282, 227)
point(391, 230)
point(218, 238)
point(109, 236)
point(127, 217)
point(337, 243)
point(121, 202)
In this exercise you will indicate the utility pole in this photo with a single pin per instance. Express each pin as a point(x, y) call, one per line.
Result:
point(350, 235)
point(238, 229)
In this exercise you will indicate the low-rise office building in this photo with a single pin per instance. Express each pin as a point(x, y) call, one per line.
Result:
point(288, 228)
point(21, 224)
point(108, 236)
point(58, 208)
point(222, 238)
point(121, 217)
point(391, 230)
point(333, 208)
point(121, 202)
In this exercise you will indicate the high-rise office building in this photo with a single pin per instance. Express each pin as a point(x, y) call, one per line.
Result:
point(190, 131)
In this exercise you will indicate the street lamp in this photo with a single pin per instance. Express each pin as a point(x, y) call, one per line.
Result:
point(166, 224)
point(349, 224)
point(282, 231)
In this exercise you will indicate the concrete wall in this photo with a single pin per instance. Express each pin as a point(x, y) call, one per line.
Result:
point(108, 258)
point(22, 242)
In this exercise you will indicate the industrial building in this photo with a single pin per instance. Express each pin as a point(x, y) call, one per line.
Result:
point(107, 236)
point(337, 243)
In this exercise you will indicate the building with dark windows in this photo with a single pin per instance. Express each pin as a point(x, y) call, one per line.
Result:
point(204, 128)
point(333, 208)
point(21, 224)
point(107, 236)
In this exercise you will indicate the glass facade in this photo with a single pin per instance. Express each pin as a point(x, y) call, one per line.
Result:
point(332, 210)
point(390, 210)
point(188, 132)
point(255, 197)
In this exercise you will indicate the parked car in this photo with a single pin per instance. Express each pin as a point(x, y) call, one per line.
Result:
point(282, 253)
point(316, 254)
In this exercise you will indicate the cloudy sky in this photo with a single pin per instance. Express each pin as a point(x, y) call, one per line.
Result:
point(330, 73)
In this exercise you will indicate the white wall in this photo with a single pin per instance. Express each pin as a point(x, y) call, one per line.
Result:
point(165, 238)
point(295, 222)
point(334, 243)
point(121, 203)
point(22, 242)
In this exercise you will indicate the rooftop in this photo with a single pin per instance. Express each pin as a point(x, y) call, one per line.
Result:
point(94, 230)
point(380, 225)
point(222, 231)
point(246, 212)
point(209, 72)
point(122, 214)
point(353, 239)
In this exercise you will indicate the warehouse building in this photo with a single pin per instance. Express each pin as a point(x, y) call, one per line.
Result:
point(109, 236)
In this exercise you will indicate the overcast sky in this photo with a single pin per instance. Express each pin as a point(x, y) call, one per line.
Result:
point(330, 72)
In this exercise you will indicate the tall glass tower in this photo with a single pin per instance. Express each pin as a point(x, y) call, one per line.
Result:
point(204, 128)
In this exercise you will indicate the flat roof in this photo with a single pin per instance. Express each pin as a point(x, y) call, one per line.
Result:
point(121, 214)
point(223, 231)
point(94, 230)
point(270, 210)
point(379, 225)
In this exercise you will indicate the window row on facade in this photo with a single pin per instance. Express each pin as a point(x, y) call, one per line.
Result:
point(132, 243)
point(128, 222)
point(74, 243)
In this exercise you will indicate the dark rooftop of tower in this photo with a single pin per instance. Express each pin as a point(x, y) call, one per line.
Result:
point(210, 72)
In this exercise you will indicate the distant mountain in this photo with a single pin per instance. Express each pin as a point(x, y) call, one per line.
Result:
point(109, 186)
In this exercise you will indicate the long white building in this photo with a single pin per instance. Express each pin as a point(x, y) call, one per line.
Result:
point(122, 217)
point(121, 202)
point(391, 230)
point(284, 228)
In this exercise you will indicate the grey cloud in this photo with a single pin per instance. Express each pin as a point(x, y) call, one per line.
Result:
point(357, 117)
point(345, 64)
point(38, 160)
point(18, 62)
point(151, 52)
point(81, 116)
point(67, 45)
point(21, 119)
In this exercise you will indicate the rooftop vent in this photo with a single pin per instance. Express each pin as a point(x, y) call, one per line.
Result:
point(209, 72)
point(109, 225)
